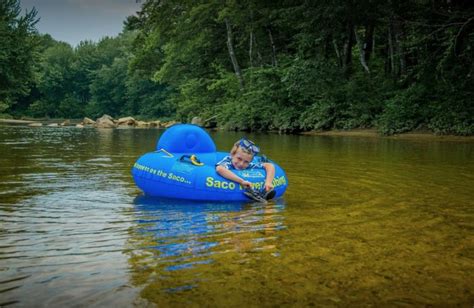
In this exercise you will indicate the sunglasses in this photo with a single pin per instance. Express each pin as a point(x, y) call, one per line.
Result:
point(249, 145)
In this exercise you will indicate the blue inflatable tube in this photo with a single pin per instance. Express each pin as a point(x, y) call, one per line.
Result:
point(184, 167)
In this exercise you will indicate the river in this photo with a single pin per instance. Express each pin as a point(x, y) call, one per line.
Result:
point(366, 221)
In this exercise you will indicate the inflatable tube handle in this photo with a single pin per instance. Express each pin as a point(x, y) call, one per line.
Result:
point(166, 152)
point(191, 159)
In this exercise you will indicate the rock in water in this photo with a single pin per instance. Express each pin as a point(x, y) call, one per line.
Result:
point(105, 121)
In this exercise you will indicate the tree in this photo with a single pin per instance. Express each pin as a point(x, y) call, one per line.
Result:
point(55, 83)
point(17, 52)
point(108, 92)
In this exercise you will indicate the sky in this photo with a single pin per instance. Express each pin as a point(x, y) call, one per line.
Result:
point(73, 21)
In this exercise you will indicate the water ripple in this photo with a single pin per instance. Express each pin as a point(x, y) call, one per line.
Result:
point(366, 222)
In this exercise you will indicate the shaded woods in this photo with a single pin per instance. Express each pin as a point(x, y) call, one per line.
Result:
point(255, 65)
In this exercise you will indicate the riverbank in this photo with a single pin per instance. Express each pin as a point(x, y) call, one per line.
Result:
point(372, 132)
point(366, 133)
point(105, 121)
point(17, 122)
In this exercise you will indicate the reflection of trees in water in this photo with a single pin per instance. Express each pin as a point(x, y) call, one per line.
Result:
point(181, 245)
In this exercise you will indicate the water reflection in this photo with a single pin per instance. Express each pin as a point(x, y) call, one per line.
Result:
point(180, 240)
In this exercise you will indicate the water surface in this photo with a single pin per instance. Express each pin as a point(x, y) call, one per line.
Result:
point(365, 221)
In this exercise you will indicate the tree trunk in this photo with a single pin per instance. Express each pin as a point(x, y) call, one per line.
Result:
point(233, 58)
point(258, 61)
point(272, 42)
point(399, 35)
point(362, 51)
point(461, 39)
point(391, 49)
point(338, 53)
point(369, 41)
point(259, 55)
point(348, 44)
point(251, 39)
point(328, 44)
point(251, 49)
point(397, 51)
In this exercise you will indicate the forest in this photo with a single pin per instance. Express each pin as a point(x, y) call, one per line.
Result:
point(287, 66)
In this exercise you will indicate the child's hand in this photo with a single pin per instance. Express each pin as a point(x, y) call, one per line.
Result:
point(268, 186)
point(246, 184)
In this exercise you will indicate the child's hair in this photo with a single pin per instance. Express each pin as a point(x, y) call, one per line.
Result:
point(245, 145)
point(237, 146)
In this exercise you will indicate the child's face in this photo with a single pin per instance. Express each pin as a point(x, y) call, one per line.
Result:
point(241, 159)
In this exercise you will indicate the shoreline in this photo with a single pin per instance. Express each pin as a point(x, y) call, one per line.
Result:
point(13, 121)
point(357, 132)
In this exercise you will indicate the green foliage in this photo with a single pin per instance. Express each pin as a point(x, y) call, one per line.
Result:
point(308, 85)
point(17, 52)
point(147, 98)
point(452, 113)
point(3, 106)
point(319, 116)
point(53, 78)
point(108, 94)
point(360, 100)
point(258, 104)
point(255, 65)
point(90, 80)
point(403, 112)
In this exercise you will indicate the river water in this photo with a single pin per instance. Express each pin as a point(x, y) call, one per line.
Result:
point(366, 221)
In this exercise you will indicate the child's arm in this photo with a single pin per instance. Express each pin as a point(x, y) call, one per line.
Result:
point(226, 173)
point(270, 170)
